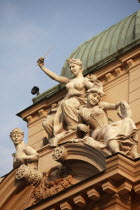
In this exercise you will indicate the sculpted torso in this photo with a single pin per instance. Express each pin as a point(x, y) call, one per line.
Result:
point(99, 115)
point(76, 87)
point(95, 116)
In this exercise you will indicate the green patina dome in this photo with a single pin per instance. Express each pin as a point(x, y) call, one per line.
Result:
point(106, 43)
point(102, 49)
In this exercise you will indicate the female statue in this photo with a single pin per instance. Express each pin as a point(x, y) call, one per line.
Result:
point(119, 136)
point(66, 115)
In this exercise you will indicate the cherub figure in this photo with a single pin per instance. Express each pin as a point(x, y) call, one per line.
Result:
point(24, 153)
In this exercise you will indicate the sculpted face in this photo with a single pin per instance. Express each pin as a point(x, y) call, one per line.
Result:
point(17, 135)
point(17, 138)
point(75, 69)
point(93, 98)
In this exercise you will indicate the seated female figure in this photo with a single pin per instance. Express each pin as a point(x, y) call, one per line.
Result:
point(66, 115)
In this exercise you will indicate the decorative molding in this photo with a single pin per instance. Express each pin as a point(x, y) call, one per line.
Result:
point(118, 71)
point(124, 188)
point(91, 190)
point(109, 188)
point(29, 119)
point(41, 113)
point(79, 201)
point(130, 63)
point(137, 188)
point(65, 206)
point(109, 77)
point(93, 194)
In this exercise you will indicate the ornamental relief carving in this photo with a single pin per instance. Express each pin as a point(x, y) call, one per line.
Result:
point(54, 181)
point(60, 153)
point(29, 174)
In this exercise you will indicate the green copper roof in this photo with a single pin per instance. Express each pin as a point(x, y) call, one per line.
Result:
point(102, 49)
point(106, 43)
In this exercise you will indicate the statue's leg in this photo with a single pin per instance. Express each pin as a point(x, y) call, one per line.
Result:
point(48, 126)
point(54, 141)
point(70, 114)
point(113, 145)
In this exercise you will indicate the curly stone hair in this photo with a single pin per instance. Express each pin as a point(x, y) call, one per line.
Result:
point(75, 61)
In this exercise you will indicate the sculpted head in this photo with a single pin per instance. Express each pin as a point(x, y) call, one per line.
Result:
point(94, 96)
point(17, 135)
point(75, 66)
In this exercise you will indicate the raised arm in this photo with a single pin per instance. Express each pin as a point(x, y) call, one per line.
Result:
point(50, 73)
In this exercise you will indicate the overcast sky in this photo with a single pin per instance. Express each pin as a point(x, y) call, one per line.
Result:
point(27, 30)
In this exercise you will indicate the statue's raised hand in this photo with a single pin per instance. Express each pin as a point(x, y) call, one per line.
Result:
point(40, 61)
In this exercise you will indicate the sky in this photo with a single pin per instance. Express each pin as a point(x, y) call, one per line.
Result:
point(27, 30)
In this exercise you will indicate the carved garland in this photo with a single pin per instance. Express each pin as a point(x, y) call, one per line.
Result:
point(31, 175)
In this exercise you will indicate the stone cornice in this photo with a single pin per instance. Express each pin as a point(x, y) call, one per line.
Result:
point(117, 180)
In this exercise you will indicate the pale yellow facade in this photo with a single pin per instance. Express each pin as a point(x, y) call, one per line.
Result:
point(93, 179)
